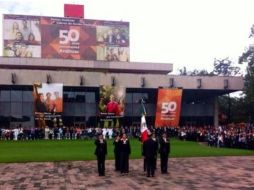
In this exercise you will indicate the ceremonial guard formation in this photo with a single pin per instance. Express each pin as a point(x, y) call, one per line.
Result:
point(122, 150)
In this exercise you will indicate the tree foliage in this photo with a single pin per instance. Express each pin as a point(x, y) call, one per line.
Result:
point(247, 57)
point(225, 67)
point(222, 67)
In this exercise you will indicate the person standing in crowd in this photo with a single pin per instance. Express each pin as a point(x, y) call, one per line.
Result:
point(164, 153)
point(101, 152)
point(149, 152)
point(125, 151)
point(116, 144)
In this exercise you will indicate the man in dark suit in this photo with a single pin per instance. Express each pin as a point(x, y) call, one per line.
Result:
point(156, 147)
point(125, 151)
point(149, 152)
point(101, 152)
point(116, 144)
point(164, 153)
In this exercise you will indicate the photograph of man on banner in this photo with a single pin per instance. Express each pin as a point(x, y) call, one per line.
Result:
point(111, 106)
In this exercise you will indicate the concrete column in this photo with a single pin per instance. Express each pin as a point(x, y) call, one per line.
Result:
point(216, 112)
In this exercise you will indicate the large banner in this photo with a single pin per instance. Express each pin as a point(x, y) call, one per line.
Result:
point(65, 38)
point(168, 107)
point(111, 105)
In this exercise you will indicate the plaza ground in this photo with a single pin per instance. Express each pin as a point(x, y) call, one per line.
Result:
point(184, 173)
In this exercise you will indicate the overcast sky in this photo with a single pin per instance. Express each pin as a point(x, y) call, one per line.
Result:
point(187, 33)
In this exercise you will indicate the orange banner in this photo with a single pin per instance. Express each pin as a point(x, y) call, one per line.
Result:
point(168, 107)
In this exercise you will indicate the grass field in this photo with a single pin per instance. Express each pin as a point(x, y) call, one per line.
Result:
point(65, 150)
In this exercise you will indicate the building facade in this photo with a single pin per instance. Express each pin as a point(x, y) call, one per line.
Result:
point(81, 81)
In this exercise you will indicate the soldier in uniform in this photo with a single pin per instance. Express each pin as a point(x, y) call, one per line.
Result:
point(116, 144)
point(101, 152)
point(125, 151)
point(150, 152)
point(164, 153)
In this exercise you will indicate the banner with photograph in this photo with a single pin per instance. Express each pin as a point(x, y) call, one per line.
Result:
point(48, 98)
point(168, 107)
point(111, 105)
point(65, 38)
point(22, 36)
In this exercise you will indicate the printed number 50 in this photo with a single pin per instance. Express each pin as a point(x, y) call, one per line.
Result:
point(68, 35)
point(168, 107)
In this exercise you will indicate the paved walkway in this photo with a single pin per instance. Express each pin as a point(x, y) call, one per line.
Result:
point(185, 173)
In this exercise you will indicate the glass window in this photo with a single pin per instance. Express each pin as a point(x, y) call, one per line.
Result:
point(80, 97)
point(5, 96)
point(136, 110)
point(128, 110)
point(68, 108)
point(91, 109)
point(28, 108)
point(5, 108)
point(137, 97)
point(128, 98)
point(79, 109)
point(90, 97)
point(16, 109)
point(28, 96)
point(16, 96)
point(150, 109)
point(69, 96)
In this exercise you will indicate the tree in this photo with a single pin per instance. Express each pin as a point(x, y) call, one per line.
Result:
point(248, 58)
point(195, 72)
point(224, 67)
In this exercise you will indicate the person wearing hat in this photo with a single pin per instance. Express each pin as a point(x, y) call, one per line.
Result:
point(149, 153)
point(101, 152)
point(164, 153)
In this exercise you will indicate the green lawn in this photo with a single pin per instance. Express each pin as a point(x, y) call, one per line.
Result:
point(41, 151)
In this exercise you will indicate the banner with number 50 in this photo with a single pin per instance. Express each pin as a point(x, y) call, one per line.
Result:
point(67, 38)
point(168, 107)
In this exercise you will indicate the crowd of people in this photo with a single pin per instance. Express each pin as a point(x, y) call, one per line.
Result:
point(221, 136)
point(231, 136)
point(64, 133)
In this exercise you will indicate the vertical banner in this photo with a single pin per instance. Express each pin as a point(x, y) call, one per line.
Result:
point(168, 107)
point(48, 102)
point(111, 105)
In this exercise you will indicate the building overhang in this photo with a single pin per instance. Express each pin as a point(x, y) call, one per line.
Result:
point(85, 65)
